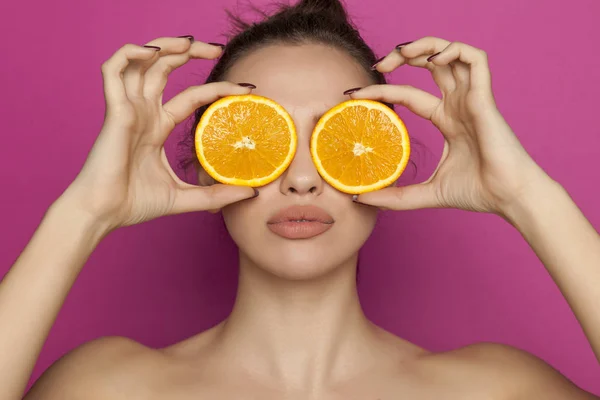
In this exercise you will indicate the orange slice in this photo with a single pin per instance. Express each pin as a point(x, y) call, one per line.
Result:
point(360, 146)
point(245, 140)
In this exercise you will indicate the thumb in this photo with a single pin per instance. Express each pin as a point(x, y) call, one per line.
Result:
point(411, 197)
point(214, 197)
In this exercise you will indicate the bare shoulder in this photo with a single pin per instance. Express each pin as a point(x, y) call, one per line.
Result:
point(505, 372)
point(108, 367)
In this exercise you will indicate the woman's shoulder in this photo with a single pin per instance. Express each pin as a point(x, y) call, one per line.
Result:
point(504, 371)
point(107, 367)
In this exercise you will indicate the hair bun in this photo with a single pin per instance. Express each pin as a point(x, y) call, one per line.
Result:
point(334, 8)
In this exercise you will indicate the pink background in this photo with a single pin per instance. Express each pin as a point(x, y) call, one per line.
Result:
point(440, 278)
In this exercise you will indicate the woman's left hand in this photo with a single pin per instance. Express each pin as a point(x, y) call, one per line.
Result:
point(483, 166)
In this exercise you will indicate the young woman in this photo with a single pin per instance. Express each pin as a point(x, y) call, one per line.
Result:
point(297, 330)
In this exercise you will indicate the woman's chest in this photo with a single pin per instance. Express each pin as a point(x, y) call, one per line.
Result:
point(359, 389)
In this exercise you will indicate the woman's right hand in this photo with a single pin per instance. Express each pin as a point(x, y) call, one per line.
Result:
point(126, 178)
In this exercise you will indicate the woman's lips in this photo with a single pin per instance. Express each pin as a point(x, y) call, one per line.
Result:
point(299, 230)
point(300, 222)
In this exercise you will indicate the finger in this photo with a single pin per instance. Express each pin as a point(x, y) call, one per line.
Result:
point(411, 197)
point(133, 76)
point(189, 198)
point(459, 71)
point(185, 103)
point(114, 68)
point(428, 45)
point(476, 59)
point(442, 75)
point(155, 79)
point(420, 50)
point(203, 198)
point(461, 74)
point(416, 100)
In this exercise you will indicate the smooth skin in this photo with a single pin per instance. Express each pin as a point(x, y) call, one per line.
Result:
point(126, 180)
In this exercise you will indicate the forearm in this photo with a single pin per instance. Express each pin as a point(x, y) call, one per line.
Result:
point(568, 246)
point(33, 291)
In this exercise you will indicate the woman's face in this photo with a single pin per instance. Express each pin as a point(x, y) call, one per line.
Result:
point(307, 81)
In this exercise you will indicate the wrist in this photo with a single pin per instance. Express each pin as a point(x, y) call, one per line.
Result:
point(538, 197)
point(68, 209)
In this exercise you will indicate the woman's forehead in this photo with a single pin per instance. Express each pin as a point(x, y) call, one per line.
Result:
point(300, 76)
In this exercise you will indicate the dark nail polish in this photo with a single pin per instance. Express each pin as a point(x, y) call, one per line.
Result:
point(256, 192)
point(190, 37)
point(153, 47)
point(433, 56)
point(377, 62)
point(353, 90)
point(248, 85)
point(217, 44)
point(401, 45)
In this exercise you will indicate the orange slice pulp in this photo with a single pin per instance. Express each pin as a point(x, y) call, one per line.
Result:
point(360, 146)
point(245, 140)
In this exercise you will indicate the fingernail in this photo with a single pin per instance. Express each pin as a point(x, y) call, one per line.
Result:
point(433, 56)
point(355, 198)
point(190, 37)
point(248, 85)
point(374, 66)
point(217, 44)
point(256, 192)
point(353, 90)
point(153, 47)
point(401, 45)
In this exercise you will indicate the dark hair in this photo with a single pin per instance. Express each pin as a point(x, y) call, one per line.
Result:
point(309, 21)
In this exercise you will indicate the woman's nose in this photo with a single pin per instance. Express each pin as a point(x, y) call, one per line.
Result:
point(301, 177)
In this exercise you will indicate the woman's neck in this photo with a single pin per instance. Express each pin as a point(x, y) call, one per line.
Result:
point(301, 333)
